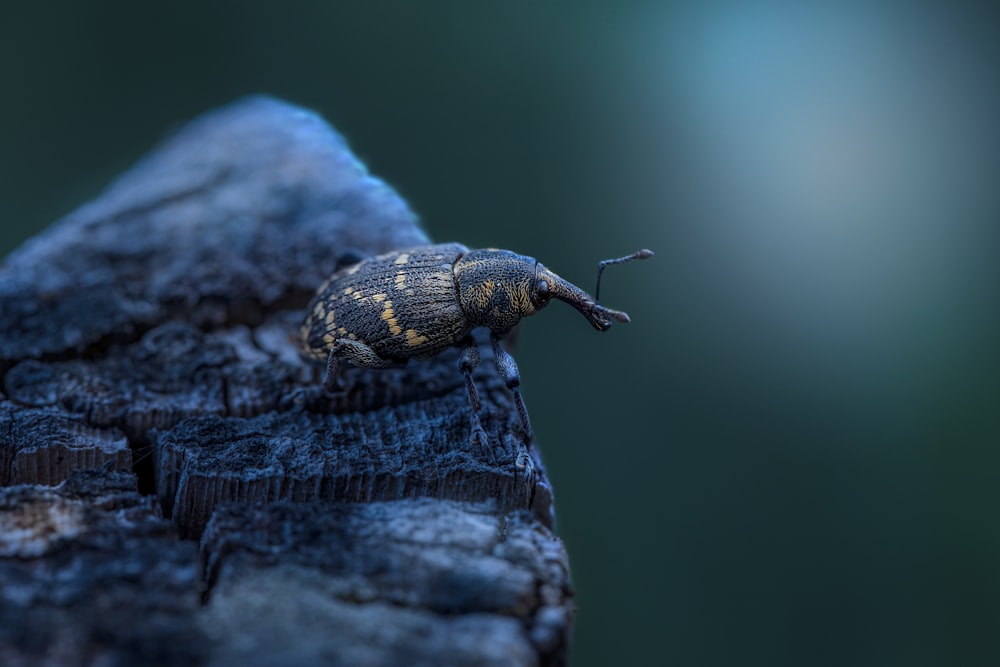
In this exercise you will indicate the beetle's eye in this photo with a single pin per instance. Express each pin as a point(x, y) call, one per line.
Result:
point(542, 292)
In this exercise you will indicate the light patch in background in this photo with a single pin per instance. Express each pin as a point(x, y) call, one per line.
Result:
point(825, 179)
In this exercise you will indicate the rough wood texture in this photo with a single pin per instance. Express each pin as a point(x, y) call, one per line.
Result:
point(152, 329)
point(417, 580)
point(89, 574)
point(45, 446)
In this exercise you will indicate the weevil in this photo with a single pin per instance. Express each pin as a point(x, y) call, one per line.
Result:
point(411, 304)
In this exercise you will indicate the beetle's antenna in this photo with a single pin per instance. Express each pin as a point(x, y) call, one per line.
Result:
point(640, 254)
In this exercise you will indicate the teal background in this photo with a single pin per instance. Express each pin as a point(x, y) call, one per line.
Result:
point(790, 457)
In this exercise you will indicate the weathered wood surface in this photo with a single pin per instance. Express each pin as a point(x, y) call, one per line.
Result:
point(91, 575)
point(151, 332)
point(431, 582)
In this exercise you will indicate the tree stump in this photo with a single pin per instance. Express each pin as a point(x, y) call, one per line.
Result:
point(174, 490)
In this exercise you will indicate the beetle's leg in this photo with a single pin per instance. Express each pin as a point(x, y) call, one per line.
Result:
point(354, 351)
point(333, 381)
point(507, 368)
point(468, 361)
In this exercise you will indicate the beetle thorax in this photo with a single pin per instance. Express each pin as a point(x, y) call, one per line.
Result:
point(494, 288)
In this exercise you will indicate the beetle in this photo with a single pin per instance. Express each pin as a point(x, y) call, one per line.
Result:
point(381, 311)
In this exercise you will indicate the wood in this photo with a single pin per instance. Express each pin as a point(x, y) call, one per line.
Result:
point(45, 446)
point(417, 582)
point(89, 574)
point(152, 331)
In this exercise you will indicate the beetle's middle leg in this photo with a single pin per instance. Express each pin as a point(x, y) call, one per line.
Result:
point(354, 351)
point(507, 368)
point(468, 361)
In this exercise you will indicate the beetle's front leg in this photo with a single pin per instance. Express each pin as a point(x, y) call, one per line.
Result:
point(507, 368)
point(354, 351)
point(333, 382)
point(468, 361)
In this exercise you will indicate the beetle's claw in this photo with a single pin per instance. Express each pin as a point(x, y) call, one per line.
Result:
point(478, 435)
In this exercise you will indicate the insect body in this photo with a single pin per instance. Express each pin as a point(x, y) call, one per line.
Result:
point(384, 310)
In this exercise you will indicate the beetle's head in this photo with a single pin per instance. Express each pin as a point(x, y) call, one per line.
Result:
point(497, 288)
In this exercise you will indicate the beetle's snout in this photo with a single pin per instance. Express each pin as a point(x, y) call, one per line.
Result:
point(600, 318)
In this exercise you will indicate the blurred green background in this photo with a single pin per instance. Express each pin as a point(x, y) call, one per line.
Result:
point(790, 457)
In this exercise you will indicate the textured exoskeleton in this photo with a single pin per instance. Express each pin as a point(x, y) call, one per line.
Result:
point(413, 303)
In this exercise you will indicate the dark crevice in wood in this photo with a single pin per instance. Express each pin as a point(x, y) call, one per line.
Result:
point(142, 466)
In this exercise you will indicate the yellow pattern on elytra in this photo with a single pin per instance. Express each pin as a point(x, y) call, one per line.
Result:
point(400, 280)
point(402, 259)
point(328, 338)
point(414, 339)
point(357, 295)
point(342, 331)
point(348, 290)
point(379, 298)
point(352, 336)
point(390, 317)
point(329, 318)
